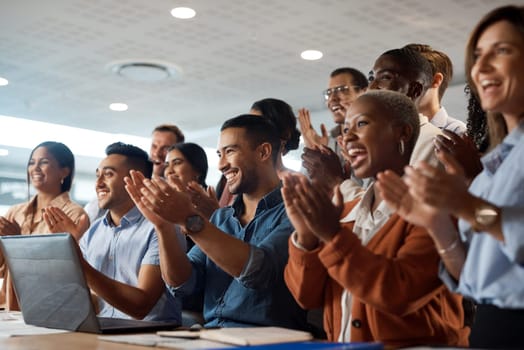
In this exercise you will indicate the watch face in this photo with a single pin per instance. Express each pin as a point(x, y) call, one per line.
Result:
point(486, 216)
point(194, 223)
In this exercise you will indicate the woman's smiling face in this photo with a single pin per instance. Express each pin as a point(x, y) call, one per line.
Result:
point(498, 71)
point(371, 139)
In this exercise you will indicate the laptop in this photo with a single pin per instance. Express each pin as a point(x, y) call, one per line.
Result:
point(51, 288)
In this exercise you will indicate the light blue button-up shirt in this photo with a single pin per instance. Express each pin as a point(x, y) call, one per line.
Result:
point(259, 296)
point(119, 252)
point(494, 271)
point(443, 121)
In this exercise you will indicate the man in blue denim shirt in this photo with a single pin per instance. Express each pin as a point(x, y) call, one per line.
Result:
point(241, 252)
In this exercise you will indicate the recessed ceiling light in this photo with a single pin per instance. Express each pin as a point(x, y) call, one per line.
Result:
point(311, 55)
point(144, 70)
point(3, 152)
point(118, 107)
point(3, 81)
point(183, 12)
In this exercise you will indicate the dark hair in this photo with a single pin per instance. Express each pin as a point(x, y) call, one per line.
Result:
point(413, 63)
point(440, 63)
point(359, 79)
point(137, 157)
point(512, 14)
point(172, 129)
point(63, 156)
point(477, 123)
point(281, 114)
point(258, 130)
point(196, 157)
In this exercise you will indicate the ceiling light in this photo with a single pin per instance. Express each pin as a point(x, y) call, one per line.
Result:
point(3, 81)
point(183, 12)
point(118, 107)
point(3, 152)
point(311, 55)
point(144, 70)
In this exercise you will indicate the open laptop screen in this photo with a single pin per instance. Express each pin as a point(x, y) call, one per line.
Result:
point(49, 281)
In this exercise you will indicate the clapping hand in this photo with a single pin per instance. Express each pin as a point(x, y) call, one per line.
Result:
point(310, 208)
point(463, 150)
point(204, 200)
point(58, 221)
point(161, 198)
point(323, 165)
point(311, 137)
point(8, 228)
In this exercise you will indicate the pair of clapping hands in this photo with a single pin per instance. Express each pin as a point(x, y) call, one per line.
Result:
point(169, 200)
point(57, 221)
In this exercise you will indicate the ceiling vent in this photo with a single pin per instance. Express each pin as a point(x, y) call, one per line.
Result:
point(145, 70)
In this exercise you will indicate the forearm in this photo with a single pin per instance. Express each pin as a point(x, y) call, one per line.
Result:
point(128, 299)
point(174, 265)
point(449, 246)
point(228, 252)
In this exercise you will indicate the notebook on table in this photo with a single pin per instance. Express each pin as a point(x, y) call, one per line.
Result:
point(51, 288)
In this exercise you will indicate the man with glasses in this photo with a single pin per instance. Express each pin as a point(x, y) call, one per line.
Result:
point(322, 156)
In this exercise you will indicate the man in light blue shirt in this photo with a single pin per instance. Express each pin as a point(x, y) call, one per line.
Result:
point(240, 254)
point(121, 248)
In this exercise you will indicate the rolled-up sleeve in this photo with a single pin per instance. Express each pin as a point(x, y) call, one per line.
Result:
point(512, 229)
point(267, 259)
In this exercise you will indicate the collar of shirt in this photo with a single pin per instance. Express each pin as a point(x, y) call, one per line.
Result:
point(29, 224)
point(131, 217)
point(366, 222)
point(440, 118)
point(270, 200)
point(493, 159)
point(422, 119)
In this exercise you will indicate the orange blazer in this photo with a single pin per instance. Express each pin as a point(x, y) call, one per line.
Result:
point(397, 296)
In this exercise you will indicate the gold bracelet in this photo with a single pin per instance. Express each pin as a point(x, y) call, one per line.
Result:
point(450, 247)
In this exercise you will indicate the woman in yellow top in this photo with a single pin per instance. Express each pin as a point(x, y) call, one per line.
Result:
point(50, 171)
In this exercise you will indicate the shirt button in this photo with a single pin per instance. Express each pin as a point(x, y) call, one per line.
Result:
point(356, 323)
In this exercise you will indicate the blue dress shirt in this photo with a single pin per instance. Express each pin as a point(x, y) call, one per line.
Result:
point(119, 252)
point(494, 271)
point(259, 296)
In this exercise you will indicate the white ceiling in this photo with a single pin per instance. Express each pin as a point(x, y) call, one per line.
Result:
point(55, 53)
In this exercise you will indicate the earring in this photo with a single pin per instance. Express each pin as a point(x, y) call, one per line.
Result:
point(401, 148)
point(62, 181)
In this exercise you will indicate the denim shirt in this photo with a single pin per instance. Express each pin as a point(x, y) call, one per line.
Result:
point(493, 272)
point(259, 296)
point(119, 252)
